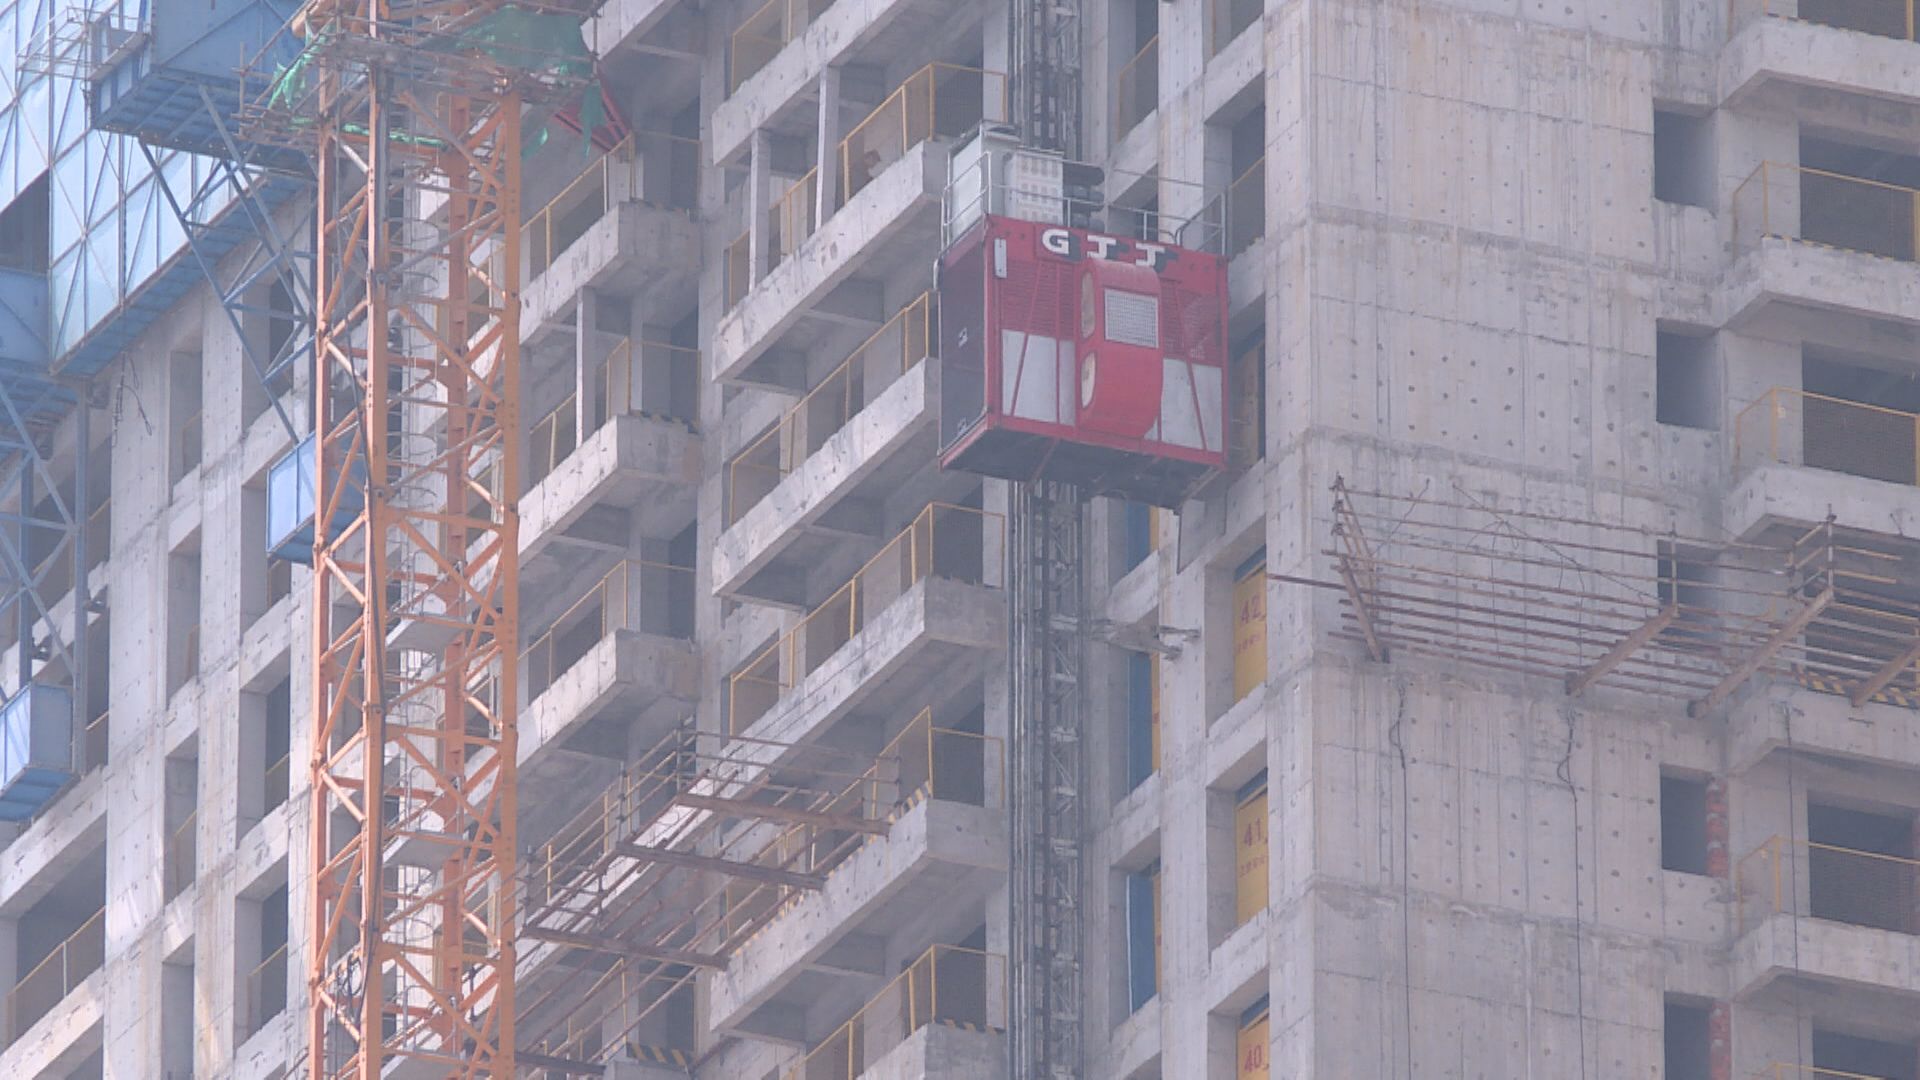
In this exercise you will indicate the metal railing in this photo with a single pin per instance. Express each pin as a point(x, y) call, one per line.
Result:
point(948, 984)
point(793, 217)
point(954, 542)
point(1829, 208)
point(275, 783)
point(762, 35)
point(1247, 207)
point(738, 269)
point(1796, 427)
point(614, 177)
point(945, 100)
point(1136, 89)
point(991, 181)
point(1784, 1071)
point(829, 406)
point(1881, 18)
point(927, 761)
point(557, 434)
point(96, 741)
point(1230, 19)
point(267, 989)
point(53, 978)
point(183, 855)
point(607, 606)
point(1826, 881)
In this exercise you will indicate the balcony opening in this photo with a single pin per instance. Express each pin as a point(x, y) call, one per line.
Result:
point(1839, 1055)
point(1247, 437)
point(181, 817)
point(98, 698)
point(1861, 869)
point(941, 100)
point(59, 942)
point(1688, 1038)
point(1854, 419)
point(183, 616)
point(1858, 197)
point(1143, 717)
point(1683, 158)
point(1143, 936)
point(261, 947)
point(178, 1004)
point(1135, 31)
point(1683, 823)
point(1686, 381)
point(1228, 19)
point(270, 326)
point(1876, 17)
point(24, 229)
point(1250, 850)
point(185, 421)
point(265, 741)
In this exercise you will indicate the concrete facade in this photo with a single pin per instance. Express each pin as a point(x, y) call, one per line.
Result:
point(1591, 258)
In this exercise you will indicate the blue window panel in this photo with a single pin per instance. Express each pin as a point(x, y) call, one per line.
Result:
point(1139, 718)
point(1139, 523)
point(1142, 979)
point(36, 749)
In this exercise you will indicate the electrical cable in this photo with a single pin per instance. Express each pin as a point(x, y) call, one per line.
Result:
point(1406, 876)
point(1565, 771)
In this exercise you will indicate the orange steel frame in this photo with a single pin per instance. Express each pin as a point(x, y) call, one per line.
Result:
point(415, 614)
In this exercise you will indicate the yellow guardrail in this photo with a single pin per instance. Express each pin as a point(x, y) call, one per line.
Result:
point(267, 989)
point(1796, 427)
point(955, 542)
point(1832, 209)
point(183, 855)
point(1882, 18)
point(56, 976)
point(1782, 1071)
point(948, 984)
point(1247, 207)
point(738, 269)
point(793, 217)
point(1136, 89)
point(762, 35)
point(755, 471)
point(552, 438)
point(611, 179)
point(606, 607)
point(1826, 881)
point(557, 434)
point(940, 99)
point(276, 781)
point(96, 741)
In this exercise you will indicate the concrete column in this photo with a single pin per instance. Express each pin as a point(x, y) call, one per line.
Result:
point(827, 191)
point(586, 377)
point(759, 170)
point(1719, 862)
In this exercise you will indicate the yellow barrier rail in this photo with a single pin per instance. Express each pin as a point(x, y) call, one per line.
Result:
point(762, 35)
point(1826, 881)
point(552, 438)
point(183, 855)
point(793, 217)
point(557, 434)
point(943, 100)
point(607, 606)
point(1828, 208)
point(96, 741)
point(1247, 207)
point(612, 178)
point(275, 782)
point(1881, 18)
point(1782, 1071)
point(1136, 89)
point(738, 269)
point(1795, 427)
point(267, 989)
point(945, 541)
point(53, 978)
point(948, 984)
point(829, 406)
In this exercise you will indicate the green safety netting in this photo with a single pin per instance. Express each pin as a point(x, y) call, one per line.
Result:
point(514, 37)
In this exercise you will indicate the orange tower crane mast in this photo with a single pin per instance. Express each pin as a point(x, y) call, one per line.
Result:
point(411, 962)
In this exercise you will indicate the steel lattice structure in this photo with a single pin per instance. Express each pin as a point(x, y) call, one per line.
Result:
point(415, 556)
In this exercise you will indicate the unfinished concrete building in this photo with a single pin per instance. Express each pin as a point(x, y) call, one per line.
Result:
point(1531, 694)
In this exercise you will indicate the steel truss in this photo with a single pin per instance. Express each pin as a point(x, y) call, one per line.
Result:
point(43, 539)
point(1047, 750)
point(415, 561)
point(1589, 603)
